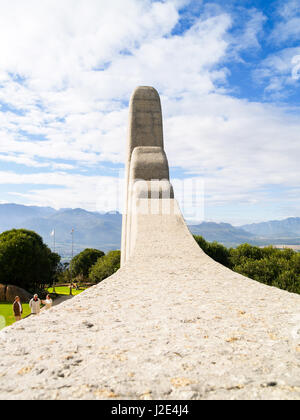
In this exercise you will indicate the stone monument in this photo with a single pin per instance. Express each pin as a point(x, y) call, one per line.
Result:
point(147, 169)
point(170, 324)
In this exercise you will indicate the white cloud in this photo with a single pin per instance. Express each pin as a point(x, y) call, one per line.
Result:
point(55, 39)
point(296, 67)
point(238, 147)
point(288, 28)
point(65, 190)
point(280, 70)
point(251, 30)
point(80, 113)
point(66, 78)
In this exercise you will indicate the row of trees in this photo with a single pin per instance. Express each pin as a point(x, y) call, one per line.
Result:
point(25, 261)
point(94, 265)
point(271, 266)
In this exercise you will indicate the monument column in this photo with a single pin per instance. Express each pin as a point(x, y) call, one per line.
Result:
point(145, 130)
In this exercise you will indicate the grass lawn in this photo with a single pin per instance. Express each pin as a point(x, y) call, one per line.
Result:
point(6, 312)
point(64, 290)
point(7, 316)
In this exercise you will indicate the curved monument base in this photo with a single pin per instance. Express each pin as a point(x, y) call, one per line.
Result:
point(171, 324)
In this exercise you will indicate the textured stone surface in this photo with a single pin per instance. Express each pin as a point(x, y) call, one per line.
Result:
point(148, 163)
point(146, 159)
point(170, 324)
point(177, 329)
point(145, 119)
point(145, 130)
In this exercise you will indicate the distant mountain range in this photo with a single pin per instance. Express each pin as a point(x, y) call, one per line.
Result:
point(288, 228)
point(277, 232)
point(222, 232)
point(103, 231)
point(91, 229)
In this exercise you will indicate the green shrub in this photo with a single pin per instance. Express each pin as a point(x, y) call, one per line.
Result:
point(105, 267)
point(245, 251)
point(216, 251)
point(269, 265)
point(83, 262)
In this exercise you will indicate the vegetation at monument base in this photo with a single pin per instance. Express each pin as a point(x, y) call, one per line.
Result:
point(26, 261)
point(89, 266)
point(83, 262)
point(105, 266)
point(271, 266)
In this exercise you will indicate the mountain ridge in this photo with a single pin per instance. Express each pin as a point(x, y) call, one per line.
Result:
point(103, 230)
point(289, 226)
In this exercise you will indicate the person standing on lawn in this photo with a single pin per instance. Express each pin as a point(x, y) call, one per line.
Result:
point(18, 309)
point(35, 305)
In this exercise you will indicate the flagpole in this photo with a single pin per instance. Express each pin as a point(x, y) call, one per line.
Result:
point(72, 233)
point(54, 249)
point(72, 243)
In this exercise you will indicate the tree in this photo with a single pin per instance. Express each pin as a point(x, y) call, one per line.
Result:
point(83, 262)
point(63, 274)
point(25, 260)
point(216, 251)
point(105, 266)
point(202, 243)
point(245, 251)
point(269, 265)
point(264, 270)
point(288, 280)
point(55, 266)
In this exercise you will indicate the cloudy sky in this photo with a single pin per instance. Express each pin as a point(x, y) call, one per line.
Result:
point(229, 80)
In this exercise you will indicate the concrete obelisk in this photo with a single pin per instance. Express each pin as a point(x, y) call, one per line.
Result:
point(146, 159)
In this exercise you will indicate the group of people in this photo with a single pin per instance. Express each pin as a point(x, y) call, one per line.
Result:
point(34, 304)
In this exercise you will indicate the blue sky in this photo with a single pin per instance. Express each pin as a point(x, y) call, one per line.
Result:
point(229, 78)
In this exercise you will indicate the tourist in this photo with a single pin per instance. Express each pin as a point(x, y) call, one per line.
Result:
point(48, 302)
point(35, 305)
point(18, 309)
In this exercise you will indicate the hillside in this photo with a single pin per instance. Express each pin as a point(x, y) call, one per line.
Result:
point(222, 232)
point(15, 214)
point(289, 228)
point(102, 231)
